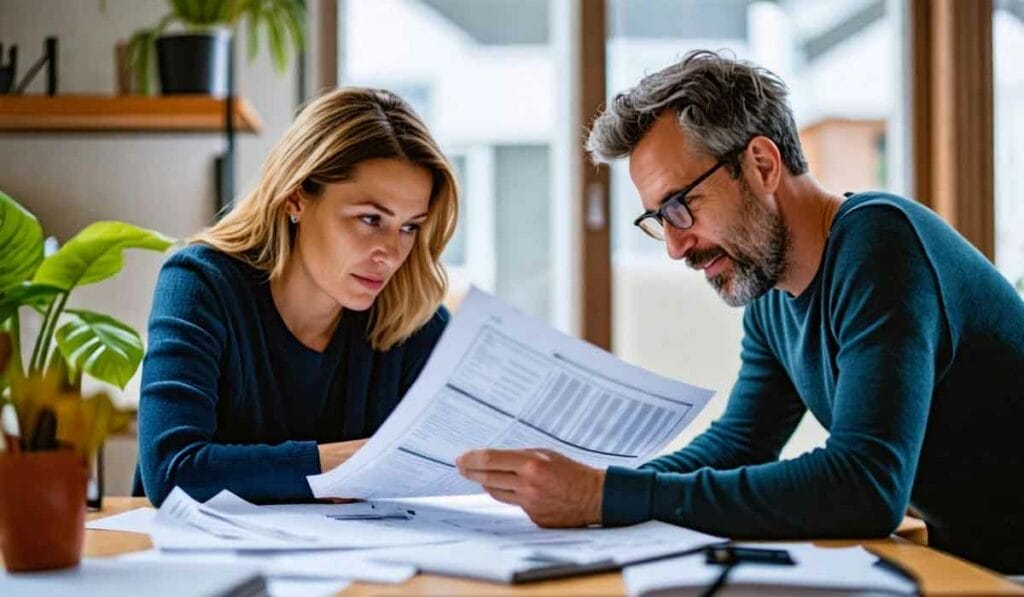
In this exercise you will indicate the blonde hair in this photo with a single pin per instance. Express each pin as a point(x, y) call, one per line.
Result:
point(328, 139)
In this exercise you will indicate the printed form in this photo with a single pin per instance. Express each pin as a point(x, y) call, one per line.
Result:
point(498, 378)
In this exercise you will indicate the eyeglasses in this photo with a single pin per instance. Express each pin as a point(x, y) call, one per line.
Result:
point(674, 209)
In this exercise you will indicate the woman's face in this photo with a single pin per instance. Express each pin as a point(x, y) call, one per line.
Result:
point(353, 237)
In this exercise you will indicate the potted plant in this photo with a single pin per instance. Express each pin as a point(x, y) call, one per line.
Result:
point(195, 59)
point(43, 469)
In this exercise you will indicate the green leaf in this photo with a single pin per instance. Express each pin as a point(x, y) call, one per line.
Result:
point(21, 242)
point(253, 33)
point(37, 296)
point(278, 52)
point(96, 253)
point(294, 17)
point(101, 346)
point(140, 48)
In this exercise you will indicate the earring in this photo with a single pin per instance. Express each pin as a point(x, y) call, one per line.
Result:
point(294, 218)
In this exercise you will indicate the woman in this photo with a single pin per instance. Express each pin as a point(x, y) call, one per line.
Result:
point(285, 334)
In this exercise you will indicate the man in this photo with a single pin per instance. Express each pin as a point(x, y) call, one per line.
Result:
point(866, 310)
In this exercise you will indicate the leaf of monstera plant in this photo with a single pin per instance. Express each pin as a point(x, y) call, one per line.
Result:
point(21, 242)
point(37, 296)
point(101, 346)
point(96, 253)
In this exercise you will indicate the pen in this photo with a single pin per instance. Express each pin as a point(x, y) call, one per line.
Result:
point(731, 556)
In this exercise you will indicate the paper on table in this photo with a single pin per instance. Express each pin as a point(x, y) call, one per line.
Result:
point(483, 520)
point(139, 520)
point(113, 577)
point(498, 378)
point(329, 564)
point(828, 570)
point(304, 587)
point(508, 558)
point(228, 522)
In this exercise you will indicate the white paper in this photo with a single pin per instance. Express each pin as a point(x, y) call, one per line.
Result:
point(227, 522)
point(505, 554)
point(139, 520)
point(114, 577)
point(331, 564)
point(826, 569)
point(483, 520)
point(304, 587)
point(498, 378)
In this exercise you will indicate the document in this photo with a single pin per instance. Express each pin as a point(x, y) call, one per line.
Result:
point(818, 571)
point(500, 379)
point(227, 522)
point(321, 564)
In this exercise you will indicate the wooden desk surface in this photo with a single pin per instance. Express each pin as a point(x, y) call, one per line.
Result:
point(939, 573)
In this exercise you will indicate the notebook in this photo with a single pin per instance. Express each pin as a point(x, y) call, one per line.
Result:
point(113, 578)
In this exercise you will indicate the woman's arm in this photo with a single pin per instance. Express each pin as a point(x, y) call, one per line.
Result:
point(334, 454)
point(188, 346)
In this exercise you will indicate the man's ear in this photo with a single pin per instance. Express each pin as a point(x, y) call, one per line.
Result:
point(763, 165)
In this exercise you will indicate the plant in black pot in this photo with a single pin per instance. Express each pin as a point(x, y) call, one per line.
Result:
point(193, 57)
point(43, 462)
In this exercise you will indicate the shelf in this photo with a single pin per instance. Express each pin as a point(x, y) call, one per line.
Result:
point(124, 113)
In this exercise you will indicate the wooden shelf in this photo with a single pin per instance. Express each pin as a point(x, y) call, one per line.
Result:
point(124, 113)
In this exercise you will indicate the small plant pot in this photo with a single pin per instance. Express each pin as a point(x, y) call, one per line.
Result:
point(42, 509)
point(193, 63)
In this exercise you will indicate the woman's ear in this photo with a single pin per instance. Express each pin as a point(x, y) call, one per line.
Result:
point(294, 205)
point(764, 164)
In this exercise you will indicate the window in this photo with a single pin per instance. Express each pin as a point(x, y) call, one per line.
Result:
point(1008, 78)
point(482, 75)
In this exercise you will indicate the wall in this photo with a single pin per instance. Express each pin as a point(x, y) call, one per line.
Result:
point(161, 181)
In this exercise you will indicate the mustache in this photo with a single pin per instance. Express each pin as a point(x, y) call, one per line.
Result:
point(698, 258)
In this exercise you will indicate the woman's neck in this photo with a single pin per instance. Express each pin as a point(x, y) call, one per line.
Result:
point(309, 314)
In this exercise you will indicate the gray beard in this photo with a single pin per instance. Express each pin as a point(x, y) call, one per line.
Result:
point(759, 255)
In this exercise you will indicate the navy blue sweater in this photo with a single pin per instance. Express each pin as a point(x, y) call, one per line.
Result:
point(232, 400)
point(908, 347)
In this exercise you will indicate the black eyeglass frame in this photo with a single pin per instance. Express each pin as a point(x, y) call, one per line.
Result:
point(679, 197)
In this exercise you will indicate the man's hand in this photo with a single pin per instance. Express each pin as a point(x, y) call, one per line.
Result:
point(332, 455)
point(555, 491)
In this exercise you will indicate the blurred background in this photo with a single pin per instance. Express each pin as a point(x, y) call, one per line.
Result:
point(509, 87)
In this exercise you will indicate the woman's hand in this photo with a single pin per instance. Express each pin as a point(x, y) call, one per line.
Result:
point(332, 455)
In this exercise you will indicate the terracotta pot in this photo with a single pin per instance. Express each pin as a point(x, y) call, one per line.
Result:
point(42, 509)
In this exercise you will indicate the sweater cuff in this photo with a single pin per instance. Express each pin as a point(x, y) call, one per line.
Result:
point(627, 496)
point(309, 458)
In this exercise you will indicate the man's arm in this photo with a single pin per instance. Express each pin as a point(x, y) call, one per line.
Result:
point(889, 328)
point(762, 412)
point(889, 325)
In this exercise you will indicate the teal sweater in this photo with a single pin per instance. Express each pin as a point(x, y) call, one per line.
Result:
point(908, 347)
point(231, 400)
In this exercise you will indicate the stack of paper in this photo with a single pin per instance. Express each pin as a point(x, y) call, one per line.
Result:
point(472, 536)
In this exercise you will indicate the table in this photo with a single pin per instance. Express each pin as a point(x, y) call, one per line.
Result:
point(939, 573)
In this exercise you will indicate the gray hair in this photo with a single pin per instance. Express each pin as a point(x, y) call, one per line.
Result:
point(720, 102)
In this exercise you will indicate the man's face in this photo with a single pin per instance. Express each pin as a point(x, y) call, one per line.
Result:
point(738, 239)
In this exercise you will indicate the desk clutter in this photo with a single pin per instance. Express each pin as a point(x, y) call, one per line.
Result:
point(227, 546)
point(388, 541)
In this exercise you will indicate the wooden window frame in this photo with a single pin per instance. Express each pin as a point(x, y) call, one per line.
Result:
point(951, 80)
point(595, 296)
